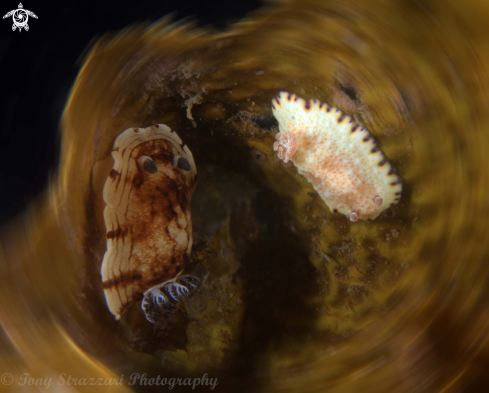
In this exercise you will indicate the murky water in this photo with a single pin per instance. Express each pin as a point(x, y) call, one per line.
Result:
point(293, 298)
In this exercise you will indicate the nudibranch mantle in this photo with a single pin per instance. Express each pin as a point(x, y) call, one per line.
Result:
point(338, 157)
point(148, 222)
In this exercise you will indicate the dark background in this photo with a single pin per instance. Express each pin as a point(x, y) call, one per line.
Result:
point(38, 67)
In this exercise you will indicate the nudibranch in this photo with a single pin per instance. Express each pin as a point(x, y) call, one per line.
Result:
point(148, 222)
point(338, 156)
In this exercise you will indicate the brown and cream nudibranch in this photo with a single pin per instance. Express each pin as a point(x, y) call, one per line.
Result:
point(338, 157)
point(148, 223)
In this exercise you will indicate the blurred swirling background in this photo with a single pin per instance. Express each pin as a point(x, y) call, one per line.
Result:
point(293, 298)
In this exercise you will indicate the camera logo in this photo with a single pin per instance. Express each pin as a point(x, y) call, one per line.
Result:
point(20, 16)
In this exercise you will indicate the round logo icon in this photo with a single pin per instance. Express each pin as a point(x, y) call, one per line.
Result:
point(20, 16)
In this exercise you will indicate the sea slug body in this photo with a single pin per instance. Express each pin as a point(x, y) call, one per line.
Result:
point(338, 157)
point(148, 222)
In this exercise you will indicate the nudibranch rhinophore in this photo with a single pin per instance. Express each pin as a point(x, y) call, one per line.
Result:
point(338, 157)
point(148, 223)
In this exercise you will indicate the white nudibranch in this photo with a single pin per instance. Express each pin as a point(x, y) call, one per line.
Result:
point(338, 157)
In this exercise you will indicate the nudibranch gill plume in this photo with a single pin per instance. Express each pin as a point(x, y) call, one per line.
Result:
point(338, 156)
point(148, 222)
